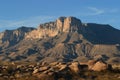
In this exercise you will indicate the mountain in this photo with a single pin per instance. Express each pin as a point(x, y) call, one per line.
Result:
point(11, 37)
point(64, 40)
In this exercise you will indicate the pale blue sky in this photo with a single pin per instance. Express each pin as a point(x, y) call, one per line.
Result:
point(16, 13)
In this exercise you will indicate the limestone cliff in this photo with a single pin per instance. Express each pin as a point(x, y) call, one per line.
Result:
point(71, 24)
point(51, 29)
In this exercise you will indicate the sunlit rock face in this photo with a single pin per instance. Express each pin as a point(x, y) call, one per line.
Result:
point(71, 24)
point(60, 23)
point(51, 29)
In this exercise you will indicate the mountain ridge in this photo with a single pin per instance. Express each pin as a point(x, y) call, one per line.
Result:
point(66, 39)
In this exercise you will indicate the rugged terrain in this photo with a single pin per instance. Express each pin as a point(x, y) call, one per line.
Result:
point(92, 70)
point(65, 49)
point(65, 40)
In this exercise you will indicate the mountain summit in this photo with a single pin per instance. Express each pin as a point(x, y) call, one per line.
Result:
point(66, 39)
point(51, 29)
point(96, 33)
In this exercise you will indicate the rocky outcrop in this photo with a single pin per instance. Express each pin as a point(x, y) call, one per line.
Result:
point(91, 63)
point(52, 71)
point(75, 67)
point(98, 65)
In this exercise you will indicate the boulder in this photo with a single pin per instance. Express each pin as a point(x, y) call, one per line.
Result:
point(91, 63)
point(74, 66)
point(62, 67)
point(18, 75)
point(43, 68)
point(54, 63)
point(35, 71)
point(100, 66)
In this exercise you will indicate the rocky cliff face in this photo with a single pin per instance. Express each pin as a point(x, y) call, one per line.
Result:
point(51, 29)
point(71, 24)
point(95, 33)
point(66, 39)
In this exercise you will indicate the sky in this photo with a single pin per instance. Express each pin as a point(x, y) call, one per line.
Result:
point(31, 13)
